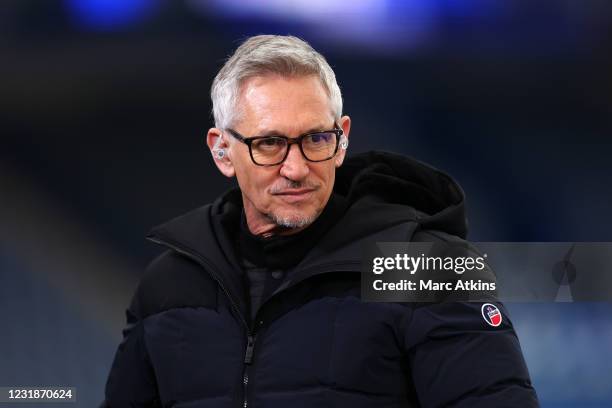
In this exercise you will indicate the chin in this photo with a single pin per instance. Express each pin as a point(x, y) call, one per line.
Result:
point(293, 219)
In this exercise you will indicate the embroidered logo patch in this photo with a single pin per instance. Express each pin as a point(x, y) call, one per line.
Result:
point(491, 314)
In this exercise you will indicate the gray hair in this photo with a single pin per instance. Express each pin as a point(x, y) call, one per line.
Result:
point(269, 54)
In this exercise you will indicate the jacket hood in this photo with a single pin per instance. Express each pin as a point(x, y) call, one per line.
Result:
point(406, 187)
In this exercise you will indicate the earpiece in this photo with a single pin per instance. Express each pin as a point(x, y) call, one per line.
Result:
point(343, 142)
point(218, 152)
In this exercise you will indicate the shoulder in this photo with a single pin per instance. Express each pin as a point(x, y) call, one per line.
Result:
point(170, 281)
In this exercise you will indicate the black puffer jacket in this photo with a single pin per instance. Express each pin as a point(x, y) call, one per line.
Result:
point(314, 343)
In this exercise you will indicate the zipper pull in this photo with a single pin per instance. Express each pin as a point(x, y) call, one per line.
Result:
point(248, 355)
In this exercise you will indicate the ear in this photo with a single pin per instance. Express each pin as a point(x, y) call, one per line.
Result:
point(345, 125)
point(217, 143)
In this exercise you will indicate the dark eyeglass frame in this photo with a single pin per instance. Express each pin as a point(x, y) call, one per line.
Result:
point(290, 140)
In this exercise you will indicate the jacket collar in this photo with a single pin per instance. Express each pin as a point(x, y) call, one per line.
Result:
point(201, 236)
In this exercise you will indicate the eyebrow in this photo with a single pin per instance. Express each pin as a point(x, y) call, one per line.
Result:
point(277, 133)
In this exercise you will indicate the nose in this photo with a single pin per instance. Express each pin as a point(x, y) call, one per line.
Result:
point(295, 167)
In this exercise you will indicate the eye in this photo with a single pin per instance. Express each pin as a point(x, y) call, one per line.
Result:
point(318, 138)
point(270, 143)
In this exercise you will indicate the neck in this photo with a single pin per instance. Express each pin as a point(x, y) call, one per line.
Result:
point(273, 230)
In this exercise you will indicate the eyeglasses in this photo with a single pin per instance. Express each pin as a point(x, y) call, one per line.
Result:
point(273, 150)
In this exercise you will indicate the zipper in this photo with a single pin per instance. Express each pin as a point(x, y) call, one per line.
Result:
point(245, 382)
point(248, 354)
point(248, 360)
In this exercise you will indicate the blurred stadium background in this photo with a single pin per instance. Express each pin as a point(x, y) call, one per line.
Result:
point(104, 106)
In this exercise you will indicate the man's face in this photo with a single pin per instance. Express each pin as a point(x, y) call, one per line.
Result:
point(293, 193)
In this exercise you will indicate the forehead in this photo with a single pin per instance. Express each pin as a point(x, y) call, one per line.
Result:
point(284, 104)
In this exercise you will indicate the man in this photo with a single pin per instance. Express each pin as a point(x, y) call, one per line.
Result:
point(256, 300)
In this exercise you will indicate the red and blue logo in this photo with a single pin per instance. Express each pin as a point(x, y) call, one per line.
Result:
point(491, 314)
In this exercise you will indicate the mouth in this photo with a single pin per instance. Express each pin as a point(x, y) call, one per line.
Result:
point(295, 195)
